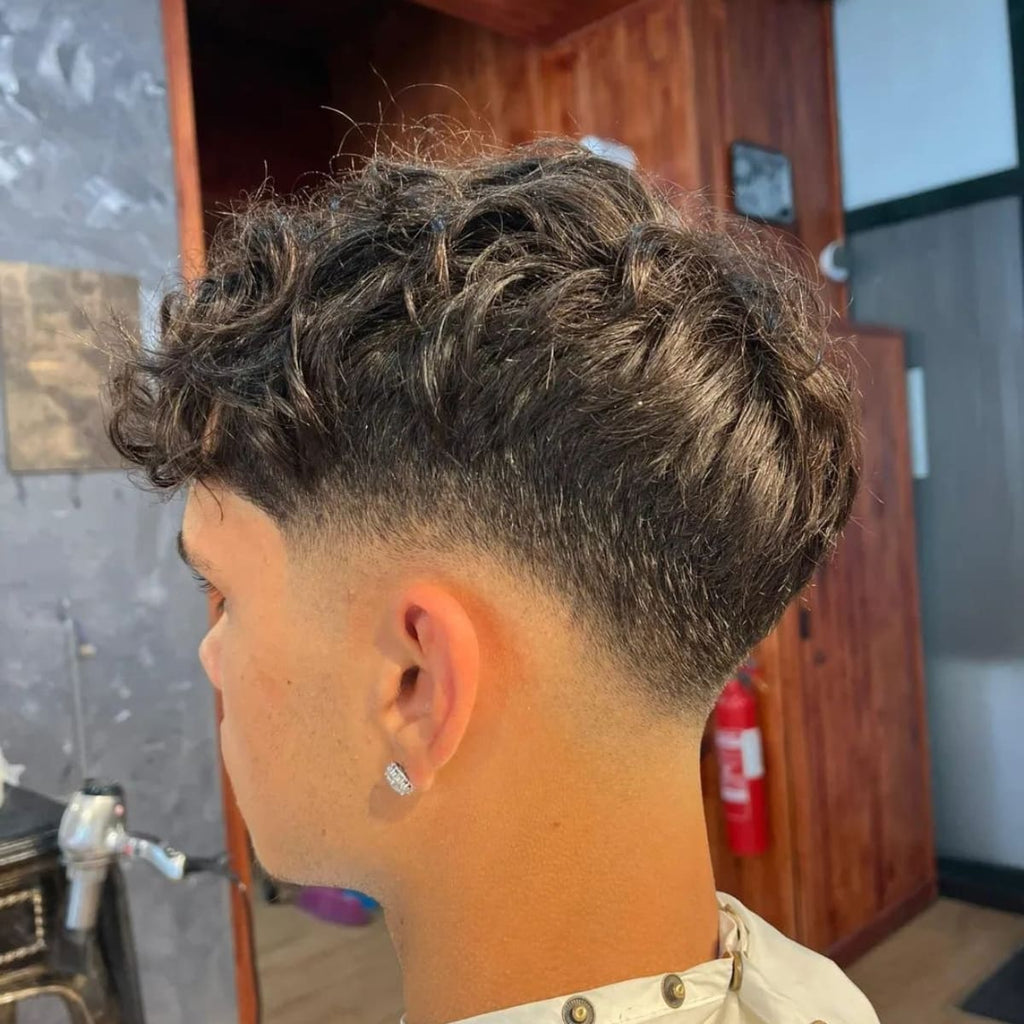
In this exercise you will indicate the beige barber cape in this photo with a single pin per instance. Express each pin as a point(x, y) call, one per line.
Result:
point(761, 978)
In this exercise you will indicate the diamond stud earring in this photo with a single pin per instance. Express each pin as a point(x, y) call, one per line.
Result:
point(398, 779)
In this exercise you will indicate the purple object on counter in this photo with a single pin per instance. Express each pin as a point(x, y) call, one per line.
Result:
point(337, 906)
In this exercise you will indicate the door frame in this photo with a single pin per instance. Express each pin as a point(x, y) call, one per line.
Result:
point(192, 257)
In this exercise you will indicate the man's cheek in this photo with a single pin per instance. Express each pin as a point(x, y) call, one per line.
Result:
point(246, 728)
point(259, 702)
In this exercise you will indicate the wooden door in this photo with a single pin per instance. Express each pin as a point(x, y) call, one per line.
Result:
point(856, 729)
point(842, 712)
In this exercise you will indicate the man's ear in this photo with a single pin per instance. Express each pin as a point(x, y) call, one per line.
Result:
point(429, 690)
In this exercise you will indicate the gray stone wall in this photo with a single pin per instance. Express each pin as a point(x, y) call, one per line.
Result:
point(86, 180)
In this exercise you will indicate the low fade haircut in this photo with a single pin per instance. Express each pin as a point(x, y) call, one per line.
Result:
point(537, 354)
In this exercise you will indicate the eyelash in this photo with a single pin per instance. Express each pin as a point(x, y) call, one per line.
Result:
point(204, 584)
point(208, 588)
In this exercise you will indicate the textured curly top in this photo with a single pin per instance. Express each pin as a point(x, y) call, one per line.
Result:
point(536, 353)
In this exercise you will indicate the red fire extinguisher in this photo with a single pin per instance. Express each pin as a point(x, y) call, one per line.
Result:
point(741, 768)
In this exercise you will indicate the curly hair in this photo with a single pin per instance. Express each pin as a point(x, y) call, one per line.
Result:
point(543, 352)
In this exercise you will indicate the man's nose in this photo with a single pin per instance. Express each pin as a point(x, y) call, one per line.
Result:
point(209, 657)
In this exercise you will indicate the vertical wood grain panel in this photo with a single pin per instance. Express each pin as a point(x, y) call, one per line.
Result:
point(182, 123)
point(765, 883)
point(858, 748)
point(779, 71)
point(528, 20)
point(712, 97)
point(676, 80)
point(628, 78)
point(635, 85)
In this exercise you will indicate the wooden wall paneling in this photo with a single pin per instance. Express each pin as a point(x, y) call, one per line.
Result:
point(826, 703)
point(838, 807)
point(634, 83)
point(712, 98)
point(555, 70)
point(779, 674)
point(515, 114)
point(628, 78)
point(764, 883)
point(892, 614)
point(778, 55)
point(538, 21)
point(856, 744)
point(192, 244)
point(840, 293)
point(901, 845)
point(411, 68)
point(676, 80)
point(182, 123)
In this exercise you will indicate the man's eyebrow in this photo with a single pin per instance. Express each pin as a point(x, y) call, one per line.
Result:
point(195, 563)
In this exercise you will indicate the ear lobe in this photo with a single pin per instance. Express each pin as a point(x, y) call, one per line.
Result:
point(431, 707)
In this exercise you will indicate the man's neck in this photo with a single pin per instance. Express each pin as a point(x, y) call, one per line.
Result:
point(590, 892)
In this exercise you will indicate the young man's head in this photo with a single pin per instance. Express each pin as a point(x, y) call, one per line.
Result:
point(499, 469)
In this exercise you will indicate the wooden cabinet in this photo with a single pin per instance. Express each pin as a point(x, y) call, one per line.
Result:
point(842, 708)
